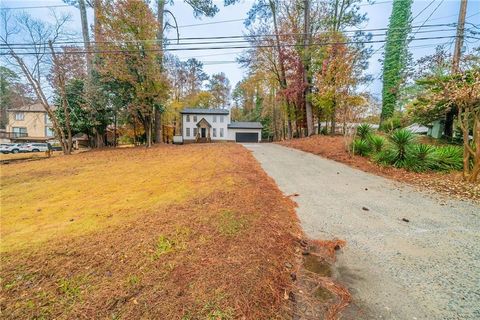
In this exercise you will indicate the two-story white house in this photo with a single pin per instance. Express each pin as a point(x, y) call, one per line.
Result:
point(214, 125)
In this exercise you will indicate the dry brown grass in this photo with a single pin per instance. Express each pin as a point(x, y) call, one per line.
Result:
point(448, 184)
point(204, 234)
point(26, 156)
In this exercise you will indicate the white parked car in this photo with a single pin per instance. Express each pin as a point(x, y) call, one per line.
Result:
point(5, 147)
point(14, 148)
point(38, 147)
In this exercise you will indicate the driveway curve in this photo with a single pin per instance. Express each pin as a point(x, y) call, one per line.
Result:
point(409, 255)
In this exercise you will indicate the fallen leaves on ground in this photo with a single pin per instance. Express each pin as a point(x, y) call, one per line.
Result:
point(334, 147)
point(217, 251)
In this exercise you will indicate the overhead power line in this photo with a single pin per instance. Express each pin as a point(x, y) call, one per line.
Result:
point(232, 47)
point(228, 40)
point(452, 25)
point(38, 7)
point(66, 5)
point(209, 23)
point(431, 14)
point(421, 11)
point(215, 62)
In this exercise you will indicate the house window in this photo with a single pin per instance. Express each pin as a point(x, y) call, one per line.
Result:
point(19, 116)
point(221, 132)
point(221, 119)
point(214, 118)
point(194, 118)
point(188, 118)
point(195, 132)
point(49, 132)
point(47, 119)
point(188, 131)
point(19, 132)
point(214, 131)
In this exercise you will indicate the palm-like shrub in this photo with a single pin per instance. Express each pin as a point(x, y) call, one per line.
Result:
point(402, 151)
point(402, 140)
point(360, 147)
point(364, 131)
point(420, 158)
point(448, 158)
point(385, 157)
point(376, 142)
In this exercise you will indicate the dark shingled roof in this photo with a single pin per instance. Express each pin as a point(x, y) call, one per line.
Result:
point(204, 111)
point(245, 125)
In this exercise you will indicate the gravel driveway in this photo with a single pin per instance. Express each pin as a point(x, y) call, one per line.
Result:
point(427, 268)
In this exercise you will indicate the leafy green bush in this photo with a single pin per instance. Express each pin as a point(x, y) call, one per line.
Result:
point(360, 147)
point(448, 158)
point(364, 131)
point(376, 142)
point(391, 124)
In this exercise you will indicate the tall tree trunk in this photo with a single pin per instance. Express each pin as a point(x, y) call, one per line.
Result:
point(99, 133)
point(396, 52)
point(333, 120)
point(274, 113)
point(283, 78)
point(158, 115)
point(147, 127)
point(62, 90)
point(474, 174)
point(319, 124)
point(134, 132)
point(43, 100)
point(99, 138)
point(306, 64)
point(115, 127)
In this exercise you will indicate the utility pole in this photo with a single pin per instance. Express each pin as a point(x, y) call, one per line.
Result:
point(306, 71)
point(460, 35)
point(157, 113)
point(86, 36)
point(448, 131)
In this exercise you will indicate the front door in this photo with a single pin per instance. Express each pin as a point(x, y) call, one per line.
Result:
point(204, 132)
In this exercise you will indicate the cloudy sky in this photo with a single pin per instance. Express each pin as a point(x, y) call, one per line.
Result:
point(229, 22)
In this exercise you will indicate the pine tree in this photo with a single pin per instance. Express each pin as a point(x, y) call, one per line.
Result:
point(396, 52)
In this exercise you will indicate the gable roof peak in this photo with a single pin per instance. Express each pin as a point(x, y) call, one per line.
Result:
point(203, 121)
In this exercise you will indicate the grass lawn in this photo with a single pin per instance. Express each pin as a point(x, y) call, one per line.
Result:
point(334, 147)
point(173, 232)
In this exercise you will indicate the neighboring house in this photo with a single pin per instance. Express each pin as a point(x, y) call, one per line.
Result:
point(214, 125)
point(349, 126)
point(418, 128)
point(433, 129)
point(28, 123)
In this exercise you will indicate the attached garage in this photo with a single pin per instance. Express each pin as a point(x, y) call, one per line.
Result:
point(246, 137)
point(246, 132)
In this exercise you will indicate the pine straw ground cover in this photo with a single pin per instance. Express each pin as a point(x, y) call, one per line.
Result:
point(175, 232)
point(448, 184)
